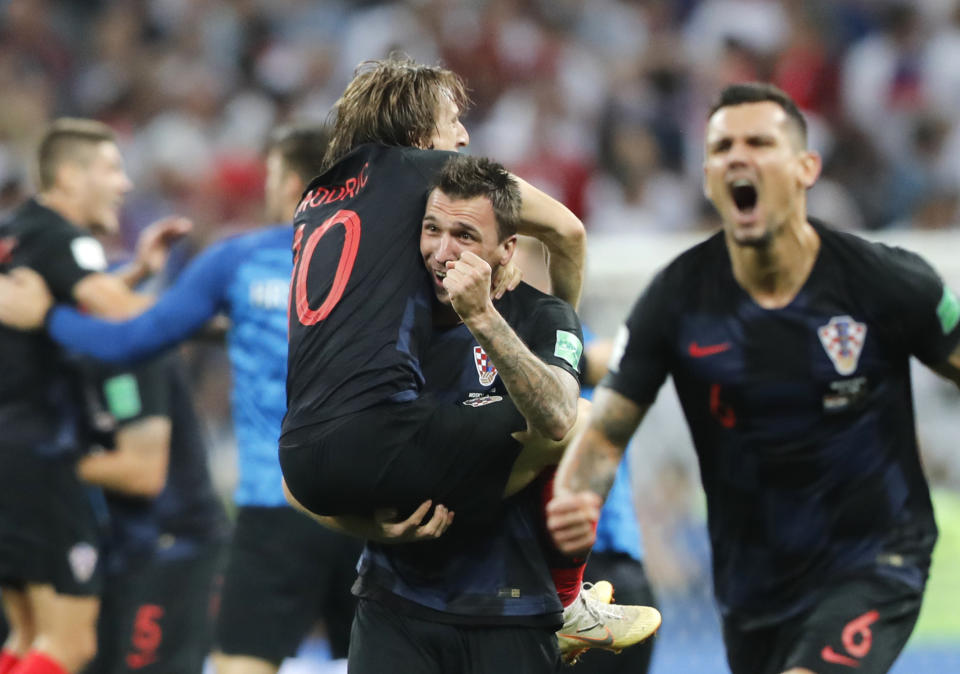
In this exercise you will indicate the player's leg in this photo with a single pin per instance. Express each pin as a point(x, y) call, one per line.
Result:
point(397, 456)
point(66, 631)
point(754, 651)
point(63, 588)
point(167, 613)
point(385, 640)
point(494, 650)
point(861, 624)
point(16, 609)
point(338, 603)
point(113, 632)
point(273, 583)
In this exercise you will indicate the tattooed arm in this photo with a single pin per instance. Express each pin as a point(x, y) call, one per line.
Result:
point(588, 469)
point(546, 395)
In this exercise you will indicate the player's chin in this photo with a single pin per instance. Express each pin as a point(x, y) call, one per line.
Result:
point(751, 236)
point(108, 222)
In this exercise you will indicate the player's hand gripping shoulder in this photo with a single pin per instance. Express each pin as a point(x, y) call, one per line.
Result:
point(25, 299)
point(505, 279)
point(468, 284)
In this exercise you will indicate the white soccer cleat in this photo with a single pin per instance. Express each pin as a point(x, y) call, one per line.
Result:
point(591, 621)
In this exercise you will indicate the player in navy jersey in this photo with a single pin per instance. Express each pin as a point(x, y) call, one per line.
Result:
point(492, 586)
point(283, 571)
point(165, 526)
point(48, 556)
point(359, 433)
point(789, 345)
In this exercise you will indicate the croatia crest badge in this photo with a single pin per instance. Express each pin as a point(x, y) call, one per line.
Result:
point(843, 340)
point(485, 368)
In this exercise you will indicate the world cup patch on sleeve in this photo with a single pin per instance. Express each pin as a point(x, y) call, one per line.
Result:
point(948, 311)
point(843, 340)
point(88, 253)
point(569, 348)
point(123, 396)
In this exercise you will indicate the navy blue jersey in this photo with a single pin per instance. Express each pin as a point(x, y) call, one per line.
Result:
point(802, 417)
point(496, 574)
point(360, 297)
point(187, 513)
point(37, 393)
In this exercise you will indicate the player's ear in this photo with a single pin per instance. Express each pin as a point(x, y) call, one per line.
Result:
point(507, 248)
point(810, 165)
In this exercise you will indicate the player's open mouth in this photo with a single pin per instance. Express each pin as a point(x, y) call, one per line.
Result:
point(439, 276)
point(744, 195)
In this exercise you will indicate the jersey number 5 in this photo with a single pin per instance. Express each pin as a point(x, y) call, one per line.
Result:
point(348, 255)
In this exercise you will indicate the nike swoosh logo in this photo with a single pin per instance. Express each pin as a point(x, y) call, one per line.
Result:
point(831, 655)
point(592, 641)
point(698, 351)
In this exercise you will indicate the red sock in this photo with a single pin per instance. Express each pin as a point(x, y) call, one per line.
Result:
point(8, 660)
point(36, 662)
point(567, 572)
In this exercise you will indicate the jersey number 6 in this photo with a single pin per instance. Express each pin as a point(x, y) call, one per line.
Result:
point(348, 255)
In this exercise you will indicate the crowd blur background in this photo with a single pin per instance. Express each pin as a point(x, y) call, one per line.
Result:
point(600, 102)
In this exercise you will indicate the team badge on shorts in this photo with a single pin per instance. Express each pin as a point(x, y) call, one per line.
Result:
point(485, 368)
point(83, 561)
point(482, 400)
point(843, 339)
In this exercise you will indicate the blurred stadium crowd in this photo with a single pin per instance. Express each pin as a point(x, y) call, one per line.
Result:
point(600, 102)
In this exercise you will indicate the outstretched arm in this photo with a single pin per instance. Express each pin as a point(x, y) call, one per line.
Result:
point(25, 301)
point(588, 469)
point(548, 220)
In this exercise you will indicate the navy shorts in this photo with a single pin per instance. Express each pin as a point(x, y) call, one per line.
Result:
point(284, 573)
point(860, 624)
point(399, 455)
point(385, 640)
point(158, 618)
point(48, 532)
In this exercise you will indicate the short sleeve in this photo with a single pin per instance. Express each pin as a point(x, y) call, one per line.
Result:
point(137, 393)
point(68, 256)
point(927, 310)
point(641, 352)
point(557, 337)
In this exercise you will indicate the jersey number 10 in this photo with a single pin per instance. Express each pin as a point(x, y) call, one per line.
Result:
point(348, 255)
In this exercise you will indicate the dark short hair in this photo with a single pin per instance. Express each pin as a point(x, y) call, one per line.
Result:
point(761, 92)
point(466, 177)
point(392, 101)
point(68, 138)
point(302, 148)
